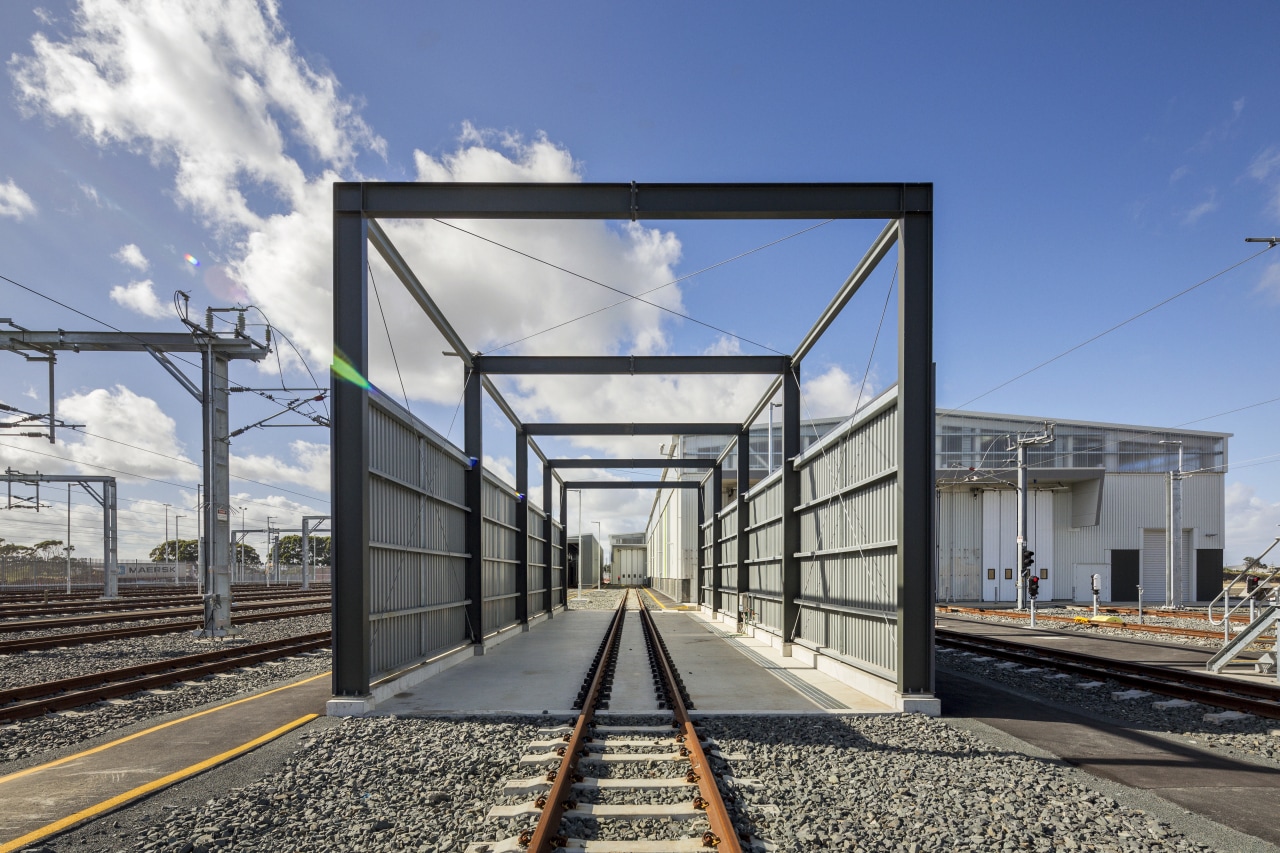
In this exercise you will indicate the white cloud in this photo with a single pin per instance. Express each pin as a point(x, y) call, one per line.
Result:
point(131, 435)
point(1209, 205)
point(130, 255)
point(14, 201)
point(1269, 283)
point(1179, 173)
point(1251, 523)
point(310, 466)
point(140, 296)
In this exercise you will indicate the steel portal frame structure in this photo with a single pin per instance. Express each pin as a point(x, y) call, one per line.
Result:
point(359, 206)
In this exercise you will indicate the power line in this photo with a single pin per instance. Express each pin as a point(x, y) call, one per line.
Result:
point(156, 479)
point(629, 296)
point(1106, 332)
point(661, 286)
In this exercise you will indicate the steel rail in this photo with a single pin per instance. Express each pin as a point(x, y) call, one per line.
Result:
point(723, 836)
point(546, 835)
point(139, 615)
point(1260, 699)
point(38, 699)
point(54, 641)
point(14, 610)
point(1199, 633)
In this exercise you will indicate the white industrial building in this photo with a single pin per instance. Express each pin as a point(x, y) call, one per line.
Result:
point(1098, 503)
point(628, 565)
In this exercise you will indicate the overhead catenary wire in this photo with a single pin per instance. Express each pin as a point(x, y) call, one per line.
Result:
point(630, 297)
point(674, 281)
point(1108, 331)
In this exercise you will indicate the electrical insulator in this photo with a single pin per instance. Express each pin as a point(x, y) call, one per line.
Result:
point(208, 318)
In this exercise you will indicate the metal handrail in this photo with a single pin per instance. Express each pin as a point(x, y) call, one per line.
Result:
point(1225, 596)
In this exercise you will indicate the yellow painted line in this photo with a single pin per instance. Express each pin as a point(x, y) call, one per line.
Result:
point(149, 787)
point(135, 735)
point(646, 589)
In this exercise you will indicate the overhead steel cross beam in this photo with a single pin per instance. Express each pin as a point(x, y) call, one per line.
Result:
point(106, 500)
point(632, 484)
point(667, 429)
point(216, 352)
point(634, 201)
point(649, 365)
point(631, 463)
point(238, 347)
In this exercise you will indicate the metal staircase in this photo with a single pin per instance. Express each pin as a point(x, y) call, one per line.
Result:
point(1258, 625)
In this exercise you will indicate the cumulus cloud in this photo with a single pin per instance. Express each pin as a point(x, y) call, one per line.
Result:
point(1251, 523)
point(140, 297)
point(1269, 283)
point(128, 433)
point(131, 256)
point(1209, 205)
point(14, 201)
point(309, 468)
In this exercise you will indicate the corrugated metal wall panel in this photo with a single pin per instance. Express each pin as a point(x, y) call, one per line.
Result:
point(536, 553)
point(498, 538)
point(960, 546)
point(417, 534)
point(848, 543)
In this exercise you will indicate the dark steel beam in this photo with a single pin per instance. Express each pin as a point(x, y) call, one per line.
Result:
point(349, 466)
point(632, 484)
point(861, 272)
point(790, 500)
point(632, 201)
point(20, 341)
point(717, 484)
point(915, 456)
point(564, 547)
point(522, 527)
point(744, 483)
point(548, 548)
point(648, 365)
point(700, 581)
point(632, 463)
point(667, 429)
point(473, 425)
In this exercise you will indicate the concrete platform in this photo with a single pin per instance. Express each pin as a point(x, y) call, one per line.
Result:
point(541, 671)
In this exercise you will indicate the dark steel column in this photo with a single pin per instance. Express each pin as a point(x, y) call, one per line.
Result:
point(744, 483)
point(790, 500)
point(548, 550)
point(915, 455)
point(564, 546)
point(350, 445)
point(473, 417)
point(522, 526)
point(717, 481)
point(700, 580)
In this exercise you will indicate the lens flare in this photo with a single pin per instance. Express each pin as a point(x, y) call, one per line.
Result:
point(344, 371)
point(191, 259)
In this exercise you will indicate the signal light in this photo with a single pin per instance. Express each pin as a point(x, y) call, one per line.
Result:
point(1033, 586)
point(1251, 584)
point(1028, 557)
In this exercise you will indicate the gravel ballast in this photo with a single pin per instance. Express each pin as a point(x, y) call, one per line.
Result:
point(868, 783)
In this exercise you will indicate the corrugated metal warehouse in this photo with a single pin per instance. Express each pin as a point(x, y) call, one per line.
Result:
point(1098, 503)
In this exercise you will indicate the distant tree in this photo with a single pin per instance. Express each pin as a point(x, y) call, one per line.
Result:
point(47, 549)
point(290, 553)
point(183, 550)
point(322, 547)
point(248, 554)
point(14, 551)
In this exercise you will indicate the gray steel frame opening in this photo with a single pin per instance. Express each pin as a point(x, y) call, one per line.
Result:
point(358, 206)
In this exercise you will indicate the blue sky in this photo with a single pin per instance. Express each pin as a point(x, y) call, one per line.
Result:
point(1089, 161)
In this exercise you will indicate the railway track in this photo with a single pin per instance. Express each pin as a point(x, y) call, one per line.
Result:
point(29, 644)
point(35, 700)
point(86, 620)
point(71, 608)
point(566, 800)
point(1198, 633)
point(1262, 700)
